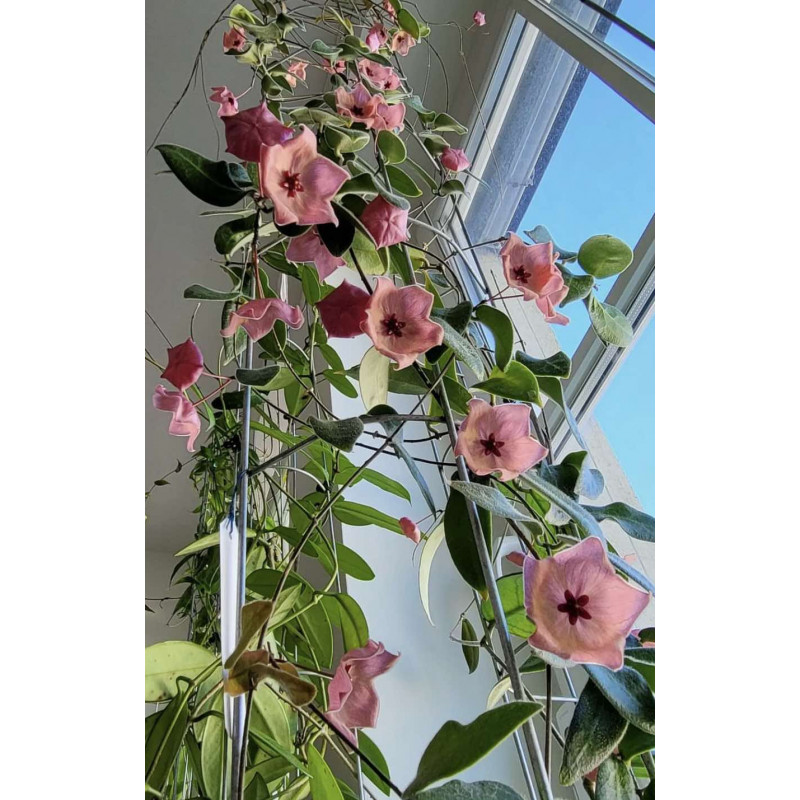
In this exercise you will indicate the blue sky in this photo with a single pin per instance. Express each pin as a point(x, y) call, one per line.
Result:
point(601, 180)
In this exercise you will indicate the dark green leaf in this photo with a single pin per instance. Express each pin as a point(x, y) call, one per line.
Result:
point(628, 692)
point(164, 740)
point(338, 238)
point(465, 351)
point(257, 377)
point(219, 183)
point(391, 147)
point(345, 612)
point(325, 50)
point(614, 781)
point(578, 286)
point(457, 316)
point(471, 652)
point(558, 365)
point(460, 541)
point(502, 331)
point(401, 183)
point(532, 664)
point(456, 747)
point(541, 234)
point(595, 730)
point(352, 564)
point(197, 292)
point(357, 514)
point(609, 323)
point(342, 434)
point(635, 742)
point(574, 476)
point(237, 233)
point(341, 383)
point(641, 655)
point(458, 790)
point(234, 400)
point(516, 382)
point(453, 186)
point(491, 499)
point(512, 597)
point(374, 754)
point(635, 523)
point(363, 185)
point(604, 255)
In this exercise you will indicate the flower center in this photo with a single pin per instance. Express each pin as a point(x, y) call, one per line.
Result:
point(392, 326)
point(575, 606)
point(490, 446)
point(520, 274)
point(358, 111)
point(291, 182)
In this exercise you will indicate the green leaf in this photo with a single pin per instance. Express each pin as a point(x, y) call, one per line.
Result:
point(340, 383)
point(516, 382)
point(614, 781)
point(197, 292)
point(271, 714)
point(352, 564)
point(164, 740)
point(460, 540)
point(342, 434)
point(609, 323)
point(323, 784)
point(211, 753)
point(579, 286)
point(325, 50)
point(374, 754)
point(465, 351)
point(502, 331)
point(574, 476)
point(357, 514)
point(166, 661)
point(371, 260)
point(453, 186)
point(635, 523)
point(253, 617)
point(234, 400)
point(628, 692)
point(408, 23)
point(432, 543)
point(315, 116)
point(595, 730)
point(257, 377)
point(219, 183)
point(426, 115)
point(491, 499)
point(238, 233)
point(458, 790)
point(558, 365)
point(401, 183)
point(456, 747)
point(232, 346)
point(204, 542)
point(604, 255)
point(373, 378)
point(391, 147)
point(635, 742)
point(344, 140)
point(541, 234)
point(386, 483)
point(362, 185)
point(471, 653)
point(512, 597)
point(457, 317)
point(345, 612)
point(444, 122)
point(318, 632)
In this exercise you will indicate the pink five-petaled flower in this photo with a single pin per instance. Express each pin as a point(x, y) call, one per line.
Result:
point(582, 609)
point(234, 40)
point(399, 322)
point(389, 117)
point(352, 699)
point(410, 529)
point(376, 37)
point(343, 311)
point(381, 77)
point(259, 316)
point(531, 269)
point(479, 18)
point(184, 365)
point(246, 131)
point(228, 104)
point(387, 223)
point(454, 159)
point(309, 248)
point(359, 105)
point(333, 69)
point(402, 42)
point(300, 182)
point(185, 419)
point(498, 439)
point(297, 69)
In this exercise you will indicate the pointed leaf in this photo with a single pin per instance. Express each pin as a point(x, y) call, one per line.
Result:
point(516, 382)
point(491, 499)
point(219, 183)
point(634, 522)
point(461, 542)
point(614, 781)
point(471, 653)
point(429, 549)
point(323, 784)
point(540, 234)
point(502, 331)
point(628, 692)
point(498, 690)
point(578, 286)
point(351, 513)
point(197, 292)
point(609, 323)
point(257, 377)
point(391, 147)
point(558, 365)
point(374, 754)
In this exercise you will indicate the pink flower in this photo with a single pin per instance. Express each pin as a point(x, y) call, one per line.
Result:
point(531, 269)
point(389, 8)
point(454, 159)
point(399, 322)
point(386, 223)
point(246, 131)
point(582, 609)
point(300, 182)
point(402, 42)
point(410, 529)
point(498, 439)
point(516, 557)
point(352, 699)
point(344, 310)
point(185, 419)
point(381, 77)
point(297, 69)
point(310, 249)
point(479, 18)
point(184, 365)
point(259, 316)
point(333, 69)
point(376, 37)
point(234, 40)
point(359, 105)
point(228, 104)
point(389, 117)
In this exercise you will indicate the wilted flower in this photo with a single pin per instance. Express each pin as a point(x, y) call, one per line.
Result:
point(479, 18)
point(184, 365)
point(234, 40)
point(376, 37)
point(582, 609)
point(185, 419)
point(309, 248)
point(343, 311)
point(300, 182)
point(381, 77)
point(410, 529)
point(259, 316)
point(334, 69)
point(532, 270)
point(498, 439)
point(352, 699)
point(387, 223)
point(228, 104)
point(402, 42)
point(359, 105)
point(246, 131)
point(297, 69)
point(454, 159)
point(399, 323)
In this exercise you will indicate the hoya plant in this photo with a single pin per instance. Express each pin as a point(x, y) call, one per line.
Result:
point(335, 175)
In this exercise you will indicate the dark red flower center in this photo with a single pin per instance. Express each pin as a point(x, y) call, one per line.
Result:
point(291, 182)
point(490, 446)
point(520, 274)
point(392, 326)
point(575, 606)
point(358, 111)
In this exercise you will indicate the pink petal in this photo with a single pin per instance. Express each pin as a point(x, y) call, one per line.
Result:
point(258, 317)
point(248, 130)
point(228, 104)
point(410, 529)
point(184, 365)
point(344, 310)
point(309, 248)
point(454, 159)
point(185, 419)
point(386, 223)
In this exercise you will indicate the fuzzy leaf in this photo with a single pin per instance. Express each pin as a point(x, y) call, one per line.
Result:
point(219, 183)
point(342, 434)
point(491, 499)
